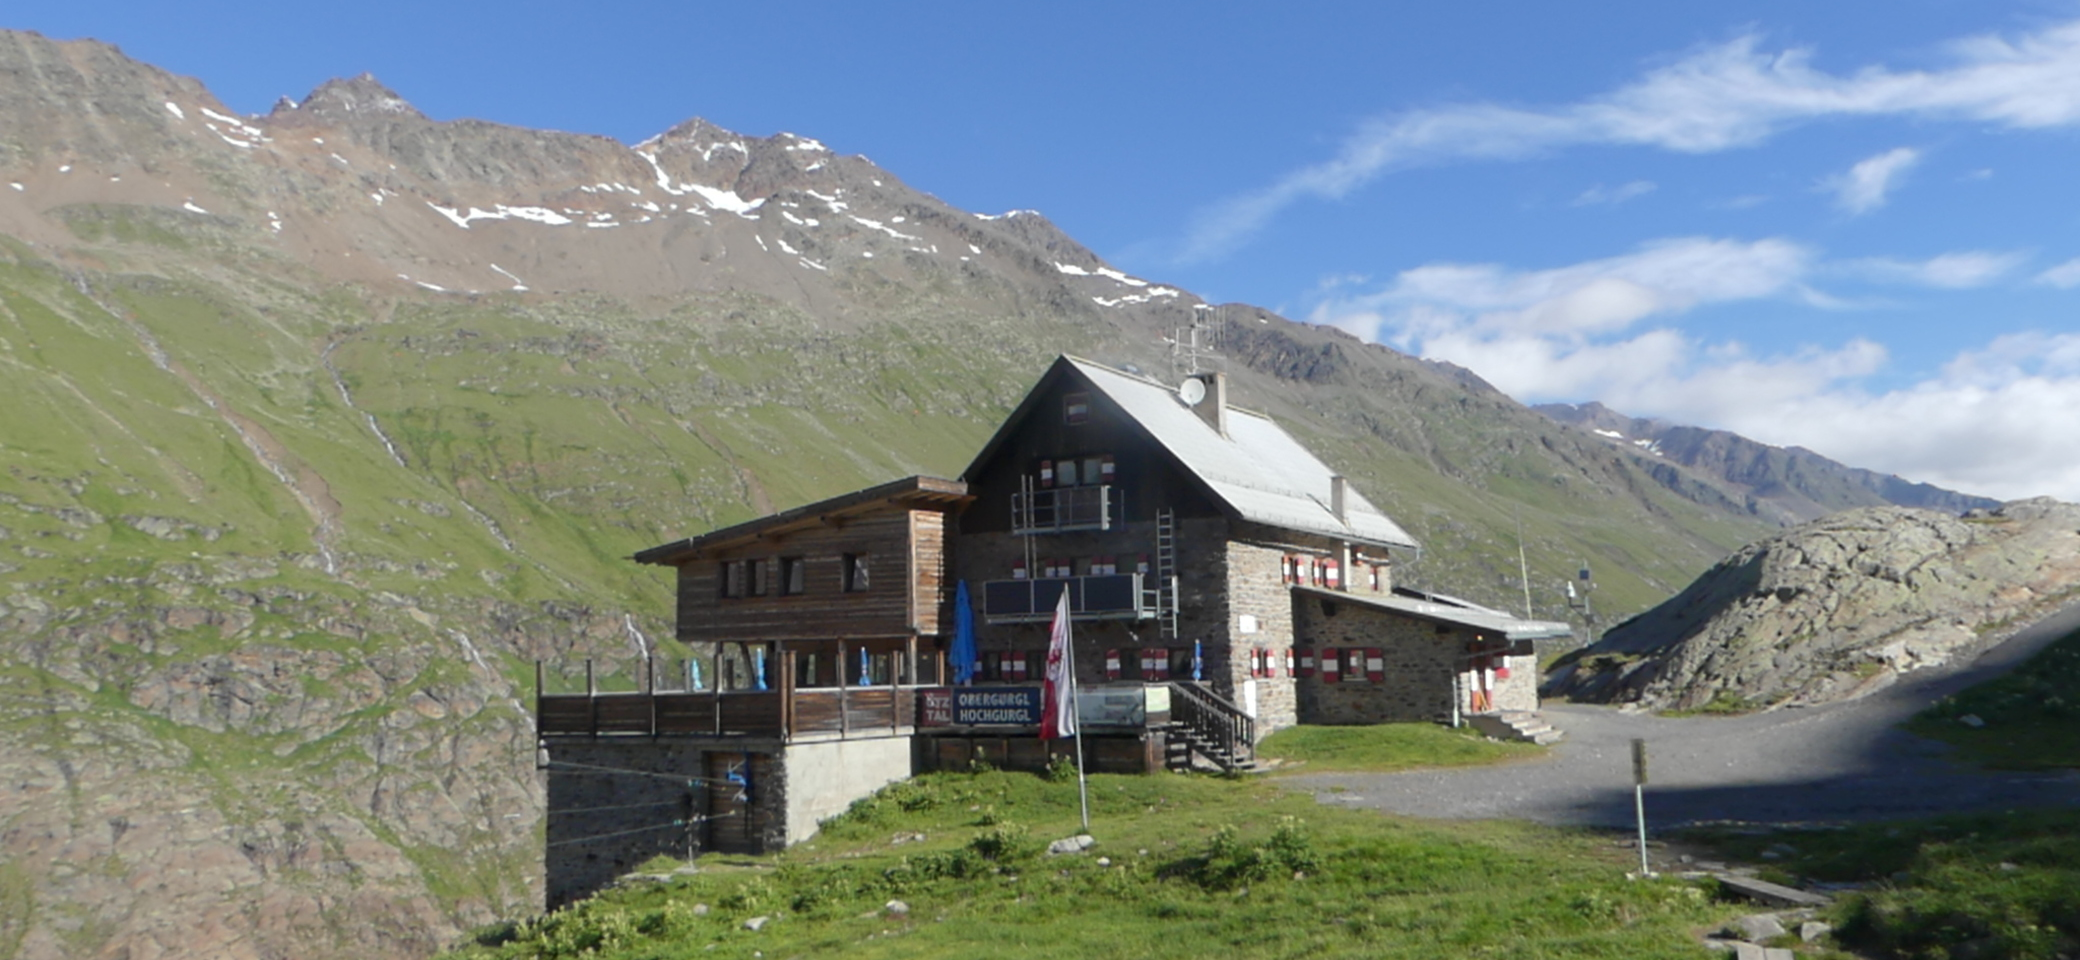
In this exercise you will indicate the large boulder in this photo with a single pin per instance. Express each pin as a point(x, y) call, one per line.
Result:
point(1837, 608)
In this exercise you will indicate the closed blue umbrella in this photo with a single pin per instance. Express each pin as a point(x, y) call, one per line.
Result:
point(963, 652)
point(758, 666)
point(866, 676)
point(693, 674)
point(1197, 662)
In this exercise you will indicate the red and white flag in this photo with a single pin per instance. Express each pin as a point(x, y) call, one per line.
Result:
point(1058, 692)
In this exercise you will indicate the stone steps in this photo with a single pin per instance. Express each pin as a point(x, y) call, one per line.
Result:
point(1519, 725)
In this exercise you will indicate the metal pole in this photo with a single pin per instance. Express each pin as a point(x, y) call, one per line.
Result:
point(1523, 565)
point(1639, 807)
point(1639, 800)
point(1083, 786)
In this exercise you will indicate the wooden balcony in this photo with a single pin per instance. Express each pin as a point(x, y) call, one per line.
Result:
point(785, 713)
point(1112, 596)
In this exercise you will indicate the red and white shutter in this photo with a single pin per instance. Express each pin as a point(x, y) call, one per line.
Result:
point(1112, 664)
point(1332, 671)
point(1375, 665)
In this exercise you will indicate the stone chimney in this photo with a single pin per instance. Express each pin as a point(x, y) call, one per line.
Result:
point(1214, 409)
point(1339, 489)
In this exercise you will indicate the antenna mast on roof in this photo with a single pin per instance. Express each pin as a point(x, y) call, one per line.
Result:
point(1195, 348)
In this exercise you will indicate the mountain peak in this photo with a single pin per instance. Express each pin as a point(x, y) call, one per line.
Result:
point(362, 96)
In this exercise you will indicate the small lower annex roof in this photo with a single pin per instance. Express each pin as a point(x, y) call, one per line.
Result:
point(1478, 619)
point(928, 492)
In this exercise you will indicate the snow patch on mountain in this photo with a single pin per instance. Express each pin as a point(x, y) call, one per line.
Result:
point(878, 225)
point(501, 212)
point(727, 200)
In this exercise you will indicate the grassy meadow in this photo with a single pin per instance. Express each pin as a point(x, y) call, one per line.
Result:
point(1185, 866)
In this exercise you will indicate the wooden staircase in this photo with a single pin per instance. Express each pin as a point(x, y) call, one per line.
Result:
point(1520, 725)
point(1206, 732)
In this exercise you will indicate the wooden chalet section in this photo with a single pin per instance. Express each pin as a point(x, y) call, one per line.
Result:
point(865, 566)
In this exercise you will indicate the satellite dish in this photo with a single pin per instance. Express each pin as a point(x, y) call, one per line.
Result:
point(1191, 391)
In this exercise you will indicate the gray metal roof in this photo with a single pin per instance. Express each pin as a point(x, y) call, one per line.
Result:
point(1259, 470)
point(1458, 613)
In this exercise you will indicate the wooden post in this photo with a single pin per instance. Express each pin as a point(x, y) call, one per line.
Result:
point(591, 701)
point(844, 715)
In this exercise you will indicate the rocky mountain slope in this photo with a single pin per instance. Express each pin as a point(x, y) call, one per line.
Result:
point(1786, 484)
point(1837, 608)
point(325, 425)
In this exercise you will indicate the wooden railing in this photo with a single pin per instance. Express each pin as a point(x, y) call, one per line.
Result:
point(842, 712)
point(1063, 509)
point(1230, 734)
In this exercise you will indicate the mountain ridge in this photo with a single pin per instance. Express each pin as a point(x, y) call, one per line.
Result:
point(330, 423)
point(1789, 484)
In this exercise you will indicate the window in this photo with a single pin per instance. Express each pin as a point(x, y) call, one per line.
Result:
point(758, 576)
point(855, 570)
point(1076, 408)
point(732, 578)
point(794, 579)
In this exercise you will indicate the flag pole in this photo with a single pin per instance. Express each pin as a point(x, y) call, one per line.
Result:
point(1083, 786)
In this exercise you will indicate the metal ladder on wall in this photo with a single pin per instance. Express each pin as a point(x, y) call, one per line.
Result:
point(1166, 572)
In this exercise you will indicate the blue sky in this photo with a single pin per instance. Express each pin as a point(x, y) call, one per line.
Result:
point(1852, 226)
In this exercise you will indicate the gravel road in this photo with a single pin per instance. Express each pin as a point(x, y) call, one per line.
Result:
point(1843, 761)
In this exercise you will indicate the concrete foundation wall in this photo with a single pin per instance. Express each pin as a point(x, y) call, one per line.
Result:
point(822, 779)
point(612, 800)
point(624, 793)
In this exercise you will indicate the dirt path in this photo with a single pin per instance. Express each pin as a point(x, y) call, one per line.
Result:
point(1844, 761)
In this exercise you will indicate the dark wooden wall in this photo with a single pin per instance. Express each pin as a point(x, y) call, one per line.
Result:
point(906, 563)
point(1151, 478)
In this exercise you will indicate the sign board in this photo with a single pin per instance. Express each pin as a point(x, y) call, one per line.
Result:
point(1112, 707)
point(935, 707)
point(1121, 707)
point(1639, 762)
point(978, 707)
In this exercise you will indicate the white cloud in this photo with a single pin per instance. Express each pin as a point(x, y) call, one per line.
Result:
point(1993, 421)
point(1598, 296)
point(1599, 194)
point(2065, 276)
point(1718, 98)
point(1951, 271)
point(1866, 186)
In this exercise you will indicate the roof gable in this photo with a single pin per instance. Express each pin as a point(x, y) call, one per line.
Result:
point(1258, 472)
point(929, 493)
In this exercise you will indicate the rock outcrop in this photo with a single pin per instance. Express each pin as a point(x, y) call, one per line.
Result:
point(1837, 608)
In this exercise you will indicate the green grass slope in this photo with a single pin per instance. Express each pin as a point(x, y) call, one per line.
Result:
point(280, 553)
point(1184, 867)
